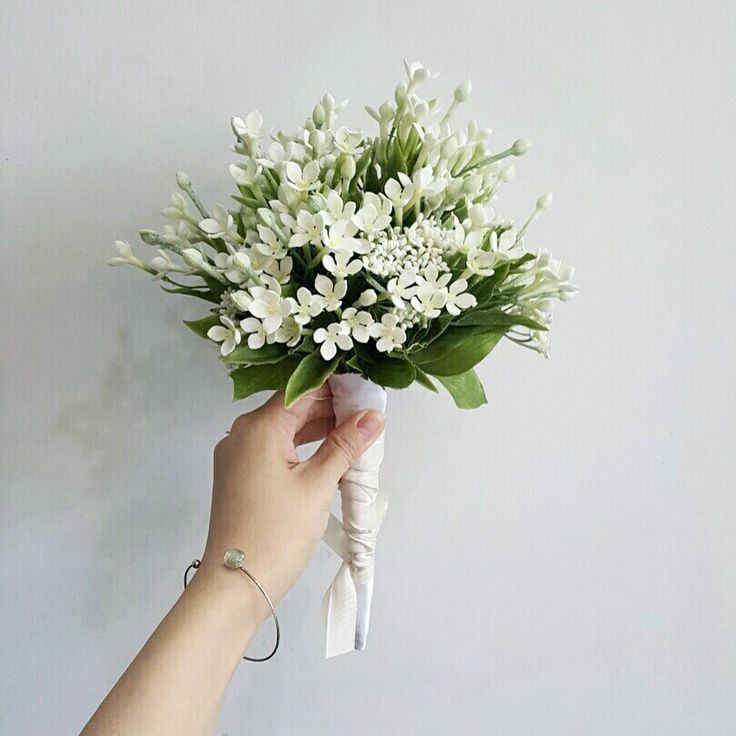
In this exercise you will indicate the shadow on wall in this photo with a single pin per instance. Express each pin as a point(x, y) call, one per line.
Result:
point(137, 506)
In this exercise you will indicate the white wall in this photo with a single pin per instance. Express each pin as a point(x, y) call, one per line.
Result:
point(559, 562)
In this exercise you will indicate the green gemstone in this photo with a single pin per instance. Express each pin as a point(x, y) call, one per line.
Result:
point(234, 558)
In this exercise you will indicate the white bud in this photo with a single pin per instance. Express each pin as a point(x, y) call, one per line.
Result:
point(182, 180)
point(318, 114)
point(192, 257)
point(386, 111)
point(123, 249)
point(178, 201)
point(462, 91)
point(449, 147)
point(473, 183)
point(150, 237)
point(506, 174)
point(478, 215)
point(520, 147)
point(544, 201)
point(347, 170)
point(368, 298)
point(241, 299)
point(239, 127)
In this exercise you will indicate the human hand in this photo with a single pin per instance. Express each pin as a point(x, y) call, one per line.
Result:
point(265, 501)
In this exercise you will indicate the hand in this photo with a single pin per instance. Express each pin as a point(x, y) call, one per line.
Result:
point(265, 501)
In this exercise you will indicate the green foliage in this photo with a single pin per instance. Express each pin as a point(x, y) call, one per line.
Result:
point(201, 326)
point(251, 379)
point(424, 380)
point(495, 318)
point(465, 389)
point(266, 354)
point(310, 374)
point(457, 349)
point(391, 372)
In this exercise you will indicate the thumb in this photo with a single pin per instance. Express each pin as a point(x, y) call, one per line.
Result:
point(344, 445)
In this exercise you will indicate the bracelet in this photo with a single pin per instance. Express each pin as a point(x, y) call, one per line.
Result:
point(234, 559)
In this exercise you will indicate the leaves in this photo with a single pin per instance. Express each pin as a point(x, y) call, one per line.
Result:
point(310, 374)
point(465, 389)
point(424, 380)
point(496, 318)
point(188, 291)
point(391, 372)
point(457, 350)
point(266, 354)
point(254, 378)
point(201, 326)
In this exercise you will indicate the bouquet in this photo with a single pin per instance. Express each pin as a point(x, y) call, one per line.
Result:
point(370, 262)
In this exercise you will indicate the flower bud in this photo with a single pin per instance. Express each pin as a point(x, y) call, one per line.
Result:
point(478, 215)
point(386, 111)
point(241, 261)
point(318, 114)
point(347, 170)
point(178, 201)
point(241, 299)
point(149, 237)
point(192, 257)
point(368, 298)
point(239, 127)
point(182, 180)
point(449, 147)
point(544, 201)
point(462, 91)
point(123, 249)
point(521, 147)
point(506, 174)
point(473, 183)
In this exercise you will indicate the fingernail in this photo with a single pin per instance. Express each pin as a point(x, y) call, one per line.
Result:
point(370, 424)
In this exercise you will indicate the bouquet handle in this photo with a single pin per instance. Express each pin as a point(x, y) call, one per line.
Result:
point(347, 603)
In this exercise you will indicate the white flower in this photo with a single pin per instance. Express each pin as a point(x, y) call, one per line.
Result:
point(221, 223)
point(503, 245)
point(433, 277)
point(374, 215)
point(402, 287)
point(387, 333)
point(336, 209)
point(458, 299)
point(417, 72)
point(257, 332)
point(359, 323)
point(348, 141)
point(246, 174)
point(290, 332)
point(306, 228)
point(428, 300)
point(337, 335)
point(424, 182)
point(339, 238)
point(333, 294)
point(480, 262)
point(280, 270)
point(340, 265)
point(250, 128)
point(241, 299)
point(163, 263)
point(125, 256)
point(302, 180)
point(398, 196)
point(268, 306)
point(228, 335)
point(368, 298)
point(306, 306)
point(466, 241)
point(270, 245)
point(237, 266)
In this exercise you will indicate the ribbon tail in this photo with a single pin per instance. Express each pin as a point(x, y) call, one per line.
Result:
point(339, 607)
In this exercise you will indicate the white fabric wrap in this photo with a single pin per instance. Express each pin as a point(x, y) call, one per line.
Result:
point(347, 603)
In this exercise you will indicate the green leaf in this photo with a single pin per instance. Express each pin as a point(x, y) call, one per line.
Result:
point(424, 380)
point(198, 293)
point(484, 289)
point(391, 372)
point(310, 374)
point(267, 354)
point(254, 378)
point(466, 389)
point(495, 318)
point(200, 326)
point(457, 350)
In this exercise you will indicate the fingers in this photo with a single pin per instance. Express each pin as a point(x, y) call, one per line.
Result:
point(315, 430)
point(345, 444)
point(316, 405)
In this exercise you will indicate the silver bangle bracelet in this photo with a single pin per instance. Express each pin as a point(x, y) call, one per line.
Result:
point(234, 559)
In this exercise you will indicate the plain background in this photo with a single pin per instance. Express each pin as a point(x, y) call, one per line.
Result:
point(560, 561)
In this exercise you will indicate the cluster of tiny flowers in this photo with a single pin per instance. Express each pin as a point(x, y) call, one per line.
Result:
point(311, 254)
point(423, 243)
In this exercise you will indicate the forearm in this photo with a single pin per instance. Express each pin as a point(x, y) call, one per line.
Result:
point(178, 680)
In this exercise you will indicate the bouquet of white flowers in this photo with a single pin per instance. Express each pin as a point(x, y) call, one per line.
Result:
point(368, 262)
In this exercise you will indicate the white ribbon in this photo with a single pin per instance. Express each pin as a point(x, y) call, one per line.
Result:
point(346, 606)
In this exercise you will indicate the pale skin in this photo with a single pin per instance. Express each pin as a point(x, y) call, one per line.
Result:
point(274, 507)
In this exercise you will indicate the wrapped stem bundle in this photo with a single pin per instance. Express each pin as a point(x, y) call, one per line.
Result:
point(370, 262)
